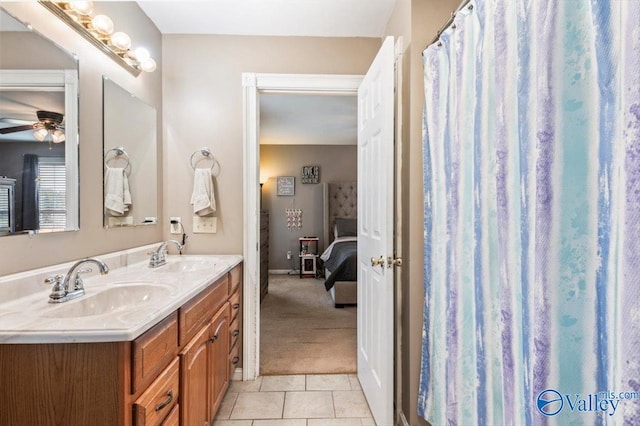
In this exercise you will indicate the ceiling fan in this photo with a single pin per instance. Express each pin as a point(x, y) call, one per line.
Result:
point(49, 123)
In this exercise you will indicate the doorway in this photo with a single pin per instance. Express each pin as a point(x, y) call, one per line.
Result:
point(253, 86)
point(301, 330)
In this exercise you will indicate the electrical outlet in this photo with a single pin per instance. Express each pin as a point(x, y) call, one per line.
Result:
point(289, 255)
point(205, 225)
point(175, 228)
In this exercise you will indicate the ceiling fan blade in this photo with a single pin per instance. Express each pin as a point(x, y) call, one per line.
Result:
point(16, 129)
point(14, 121)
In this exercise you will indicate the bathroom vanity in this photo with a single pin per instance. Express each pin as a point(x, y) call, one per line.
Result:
point(142, 347)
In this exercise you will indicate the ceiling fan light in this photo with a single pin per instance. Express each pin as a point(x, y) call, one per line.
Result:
point(148, 65)
point(58, 136)
point(40, 134)
point(82, 7)
point(121, 40)
point(102, 24)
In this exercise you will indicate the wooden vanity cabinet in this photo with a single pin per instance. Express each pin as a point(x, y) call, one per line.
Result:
point(176, 373)
point(204, 370)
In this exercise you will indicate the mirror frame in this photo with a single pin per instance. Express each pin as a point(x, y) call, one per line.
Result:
point(68, 79)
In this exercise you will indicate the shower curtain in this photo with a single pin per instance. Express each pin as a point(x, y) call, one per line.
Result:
point(532, 215)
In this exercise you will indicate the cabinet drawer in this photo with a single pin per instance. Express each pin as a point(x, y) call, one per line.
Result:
point(197, 312)
point(153, 350)
point(235, 278)
point(234, 333)
point(156, 403)
point(235, 302)
point(173, 419)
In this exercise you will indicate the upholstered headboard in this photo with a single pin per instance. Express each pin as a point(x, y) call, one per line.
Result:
point(340, 200)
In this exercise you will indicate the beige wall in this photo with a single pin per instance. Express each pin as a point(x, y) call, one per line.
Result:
point(203, 107)
point(19, 253)
point(337, 164)
point(421, 19)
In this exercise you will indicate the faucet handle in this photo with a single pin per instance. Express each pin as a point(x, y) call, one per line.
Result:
point(54, 279)
point(77, 283)
point(58, 291)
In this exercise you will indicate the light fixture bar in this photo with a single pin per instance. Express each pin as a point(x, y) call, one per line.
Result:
point(60, 12)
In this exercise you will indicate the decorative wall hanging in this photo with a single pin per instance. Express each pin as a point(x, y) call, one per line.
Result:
point(294, 219)
point(310, 174)
point(285, 185)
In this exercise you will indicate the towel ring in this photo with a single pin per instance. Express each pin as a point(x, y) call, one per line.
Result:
point(205, 155)
point(119, 153)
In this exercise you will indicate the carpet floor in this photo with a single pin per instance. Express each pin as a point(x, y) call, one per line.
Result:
point(301, 332)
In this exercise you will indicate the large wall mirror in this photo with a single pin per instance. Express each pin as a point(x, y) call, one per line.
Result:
point(130, 158)
point(38, 132)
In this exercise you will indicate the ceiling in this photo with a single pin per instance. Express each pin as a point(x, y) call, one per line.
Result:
point(322, 18)
point(290, 119)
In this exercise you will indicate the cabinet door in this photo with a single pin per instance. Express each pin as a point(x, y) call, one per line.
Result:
point(194, 369)
point(219, 358)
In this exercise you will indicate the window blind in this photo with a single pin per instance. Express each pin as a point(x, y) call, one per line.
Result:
point(52, 193)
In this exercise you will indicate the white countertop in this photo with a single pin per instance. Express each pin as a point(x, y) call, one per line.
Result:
point(32, 319)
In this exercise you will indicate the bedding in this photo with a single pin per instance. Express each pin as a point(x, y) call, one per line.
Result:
point(341, 258)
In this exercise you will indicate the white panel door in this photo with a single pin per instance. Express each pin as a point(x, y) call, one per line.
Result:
point(375, 234)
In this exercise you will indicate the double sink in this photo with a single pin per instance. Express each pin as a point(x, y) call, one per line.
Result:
point(116, 306)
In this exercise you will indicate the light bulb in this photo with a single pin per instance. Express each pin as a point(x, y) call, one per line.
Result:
point(82, 7)
point(58, 136)
point(40, 134)
point(102, 24)
point(148, 65)
point(141, 54)
point(121, 40)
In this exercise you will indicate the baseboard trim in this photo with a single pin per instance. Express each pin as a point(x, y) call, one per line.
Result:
point(283, 272)
point(403, 420)
point(237, 375)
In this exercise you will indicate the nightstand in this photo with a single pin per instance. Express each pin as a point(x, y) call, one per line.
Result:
point(308, 256)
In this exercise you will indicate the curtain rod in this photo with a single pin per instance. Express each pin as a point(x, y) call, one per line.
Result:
point(448, 23)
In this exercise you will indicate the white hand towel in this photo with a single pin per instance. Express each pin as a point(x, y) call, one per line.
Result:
point(203, 198)
point(117, 198)
point(126, 194)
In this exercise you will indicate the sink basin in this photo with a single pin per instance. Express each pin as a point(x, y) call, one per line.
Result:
point(186, 265)
point(116, 298)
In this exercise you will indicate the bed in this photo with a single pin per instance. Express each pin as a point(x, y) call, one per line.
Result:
point(339, 258)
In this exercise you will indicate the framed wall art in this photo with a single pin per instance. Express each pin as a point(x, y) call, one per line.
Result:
point(286, 185)
point(310, 174)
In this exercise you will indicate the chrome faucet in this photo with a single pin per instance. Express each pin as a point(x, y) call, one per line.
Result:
point(61, 292)
point(158, 257)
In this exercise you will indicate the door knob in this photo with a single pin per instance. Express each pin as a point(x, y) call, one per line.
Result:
point(375, 261)
point(394, 262)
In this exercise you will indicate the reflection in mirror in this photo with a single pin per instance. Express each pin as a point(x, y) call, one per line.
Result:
point(130, 161)
point(38, 132)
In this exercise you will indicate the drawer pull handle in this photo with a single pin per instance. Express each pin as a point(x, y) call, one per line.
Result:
point(235, 360)
point(236, 333)
point(167, 402)
point(236, 306)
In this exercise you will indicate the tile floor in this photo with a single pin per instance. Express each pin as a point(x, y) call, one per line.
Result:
point(298, 400)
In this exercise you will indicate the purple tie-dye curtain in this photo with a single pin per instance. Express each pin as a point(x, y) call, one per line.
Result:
point(532, 215)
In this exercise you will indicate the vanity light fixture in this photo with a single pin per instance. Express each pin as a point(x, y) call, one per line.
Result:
point(98, 29)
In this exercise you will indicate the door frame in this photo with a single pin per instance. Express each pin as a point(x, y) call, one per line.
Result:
point(252, 85)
